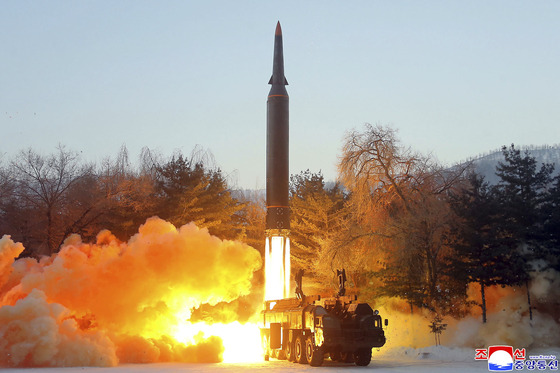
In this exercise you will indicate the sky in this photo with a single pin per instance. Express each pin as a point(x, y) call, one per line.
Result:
point(455, 78)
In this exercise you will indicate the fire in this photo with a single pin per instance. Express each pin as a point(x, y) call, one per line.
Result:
point(277, 266)
point(241, 341)
point(108, 302)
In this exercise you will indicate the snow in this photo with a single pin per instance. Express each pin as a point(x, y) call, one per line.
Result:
point(425, 360)
point(275, 366)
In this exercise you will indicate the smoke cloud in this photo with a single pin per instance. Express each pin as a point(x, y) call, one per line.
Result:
point(508, 319)
point(96, 304)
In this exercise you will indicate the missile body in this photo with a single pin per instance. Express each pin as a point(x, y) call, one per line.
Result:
point(277, 143)
point(277, 248)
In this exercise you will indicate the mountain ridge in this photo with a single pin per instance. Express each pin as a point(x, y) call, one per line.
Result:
point(485, 164)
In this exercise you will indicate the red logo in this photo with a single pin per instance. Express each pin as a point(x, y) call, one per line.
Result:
point(481, 354)
point(519, 354)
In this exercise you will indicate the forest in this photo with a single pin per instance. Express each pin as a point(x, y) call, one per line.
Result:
point(401, 224)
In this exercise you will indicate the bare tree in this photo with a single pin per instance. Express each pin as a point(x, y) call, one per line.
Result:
point(44, 181)
point(126, 193)
point(376, 166)
point(399, 200)
point(6, 182)
point(6, 197)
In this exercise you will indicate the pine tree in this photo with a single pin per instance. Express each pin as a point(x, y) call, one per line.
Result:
point(483, 252)
point(550, 213)
point(403, 277)
point(188, 191)
point(317, 214)
point(522, 192)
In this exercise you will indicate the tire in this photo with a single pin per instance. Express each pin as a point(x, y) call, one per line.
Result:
point(315, 356)
point(290, 351)
point(281, 355)
point(299, 350)
point(346, 357)
point(362, 357)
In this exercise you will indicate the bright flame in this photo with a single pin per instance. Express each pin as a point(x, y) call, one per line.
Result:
point(287, 266)
point(241, 341)
point(277, 267)
point(98, 304)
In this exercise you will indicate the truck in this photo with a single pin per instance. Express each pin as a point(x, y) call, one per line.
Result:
point(306, 329)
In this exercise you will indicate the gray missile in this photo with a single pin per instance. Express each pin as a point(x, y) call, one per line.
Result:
point(277, 144)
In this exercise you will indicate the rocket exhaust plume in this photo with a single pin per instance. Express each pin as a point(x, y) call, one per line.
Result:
point(277, 247)
point(107, 302)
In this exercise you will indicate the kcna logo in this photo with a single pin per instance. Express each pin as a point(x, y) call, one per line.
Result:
point(500, 358)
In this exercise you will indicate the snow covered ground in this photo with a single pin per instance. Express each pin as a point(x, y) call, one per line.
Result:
point(430, 359)
point(423, 366)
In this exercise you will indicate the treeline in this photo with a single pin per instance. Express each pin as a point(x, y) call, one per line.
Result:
point(46, 198)
point(497, 153)
point(404, 226)
point(398, 222)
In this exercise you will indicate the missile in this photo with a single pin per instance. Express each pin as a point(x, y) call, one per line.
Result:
point(277, 248)
point(277, 143)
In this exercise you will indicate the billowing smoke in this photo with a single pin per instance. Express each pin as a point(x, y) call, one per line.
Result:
point(508, 319)
point(109, 302)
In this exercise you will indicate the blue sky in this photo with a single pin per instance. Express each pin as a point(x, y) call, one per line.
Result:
point(456, 78)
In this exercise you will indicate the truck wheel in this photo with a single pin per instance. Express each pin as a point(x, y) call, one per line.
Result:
point(299, 350)
point(315, 356)
point(290, 351)
point(362, 357)
point(334, 355)
point(346, 357)
point(281, 355)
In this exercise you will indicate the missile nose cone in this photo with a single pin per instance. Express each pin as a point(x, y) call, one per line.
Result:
point(278, 77)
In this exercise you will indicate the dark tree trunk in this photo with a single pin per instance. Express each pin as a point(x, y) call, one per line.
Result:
point(50, 238)
point(483, 303)
point(529, 300)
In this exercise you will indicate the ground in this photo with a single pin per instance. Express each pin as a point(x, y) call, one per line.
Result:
point(273, 366)
point(432, 359)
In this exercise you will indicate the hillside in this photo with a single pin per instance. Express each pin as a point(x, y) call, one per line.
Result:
point(486, 163)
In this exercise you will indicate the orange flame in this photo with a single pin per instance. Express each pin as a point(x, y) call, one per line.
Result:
point(120, 301)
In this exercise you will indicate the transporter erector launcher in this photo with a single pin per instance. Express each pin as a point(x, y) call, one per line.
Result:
point(304, 329)
point(277, 248)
